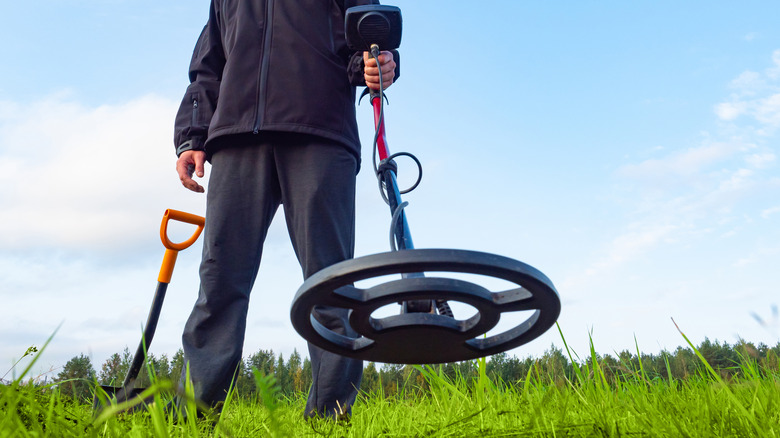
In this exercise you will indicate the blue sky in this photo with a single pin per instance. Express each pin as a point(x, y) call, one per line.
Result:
point(626, 149)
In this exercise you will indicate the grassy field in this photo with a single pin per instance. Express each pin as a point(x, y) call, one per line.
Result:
point(589, 403)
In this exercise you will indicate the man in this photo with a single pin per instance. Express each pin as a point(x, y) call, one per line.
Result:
point(271, 106)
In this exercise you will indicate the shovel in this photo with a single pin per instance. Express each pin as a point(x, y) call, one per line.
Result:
point(128, 391)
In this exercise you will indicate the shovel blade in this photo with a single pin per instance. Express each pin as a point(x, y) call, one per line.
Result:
point(119, 395)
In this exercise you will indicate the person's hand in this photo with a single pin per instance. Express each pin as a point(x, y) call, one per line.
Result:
point(189, 162)
point(371, 71)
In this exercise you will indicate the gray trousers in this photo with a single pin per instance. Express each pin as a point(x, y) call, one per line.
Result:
point(314, 179)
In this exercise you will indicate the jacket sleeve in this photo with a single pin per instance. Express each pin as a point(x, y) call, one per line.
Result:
point(200, 101)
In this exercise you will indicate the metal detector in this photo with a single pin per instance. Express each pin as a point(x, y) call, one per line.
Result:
point(426, 330)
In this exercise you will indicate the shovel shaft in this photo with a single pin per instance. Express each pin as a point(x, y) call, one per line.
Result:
point(146, 340)
point(166, 270)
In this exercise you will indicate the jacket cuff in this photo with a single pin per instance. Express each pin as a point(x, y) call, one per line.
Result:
point(397, 59)
point(195, 144)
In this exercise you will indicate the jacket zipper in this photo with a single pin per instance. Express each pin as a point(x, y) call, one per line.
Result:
point(269, 11)
point(194, 111)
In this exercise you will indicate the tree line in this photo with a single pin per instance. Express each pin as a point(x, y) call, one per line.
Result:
point(293, 374)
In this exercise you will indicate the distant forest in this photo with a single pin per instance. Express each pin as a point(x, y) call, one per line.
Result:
point(293, 375)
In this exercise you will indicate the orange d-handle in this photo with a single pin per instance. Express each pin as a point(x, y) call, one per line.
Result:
point(172, 249)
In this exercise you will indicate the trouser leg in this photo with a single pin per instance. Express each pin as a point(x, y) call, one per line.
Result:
point(317, 180)
point(243, 195)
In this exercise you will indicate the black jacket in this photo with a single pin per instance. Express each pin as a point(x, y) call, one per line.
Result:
point(271, 65)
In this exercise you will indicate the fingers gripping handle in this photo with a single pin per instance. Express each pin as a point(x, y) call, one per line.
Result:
point(172, 249)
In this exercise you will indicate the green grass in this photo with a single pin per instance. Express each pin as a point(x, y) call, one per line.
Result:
point(591, 402)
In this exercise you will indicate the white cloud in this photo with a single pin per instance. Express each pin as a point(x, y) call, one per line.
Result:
point(767, 110)
point(774, 71)
point(748, 82)
point(757, 256)
point(697, 193)
point(769, 212)
point(739, 179)
point(744, 262)
point(73, 176)
point(683, 163)
point(639, 238)
point(756, 95)
point(761, 160)
point(730, 110)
